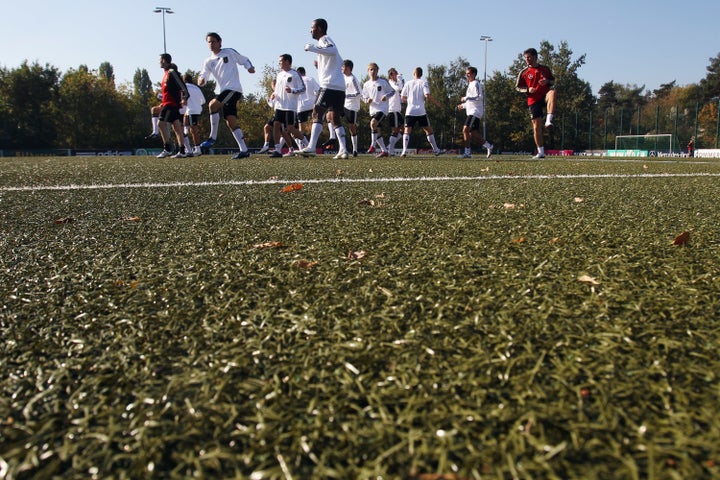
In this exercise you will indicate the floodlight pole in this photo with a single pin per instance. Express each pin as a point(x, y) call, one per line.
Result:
point(486, 39)
point(163, 10)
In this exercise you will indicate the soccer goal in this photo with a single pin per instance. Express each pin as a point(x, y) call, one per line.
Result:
point(654, 144)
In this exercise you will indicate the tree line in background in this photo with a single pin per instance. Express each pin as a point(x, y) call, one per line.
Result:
point(43, 108)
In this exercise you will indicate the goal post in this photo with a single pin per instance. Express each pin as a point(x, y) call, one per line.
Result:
point(653, 144)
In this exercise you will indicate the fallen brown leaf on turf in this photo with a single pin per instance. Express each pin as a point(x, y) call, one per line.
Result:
point(357, 255)
point(519, 240)
point(306, 264)
point(682, 239)
point(366, 201)
point(269, 245)
point(588, 279)
point(293, 187)
point(579, 199)
point(61, 221)
point(132, 219)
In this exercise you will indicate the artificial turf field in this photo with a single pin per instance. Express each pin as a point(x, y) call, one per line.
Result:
point(421, 318)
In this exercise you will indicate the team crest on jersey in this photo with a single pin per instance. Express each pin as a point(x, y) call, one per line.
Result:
point(225, 59)
point(379, 88)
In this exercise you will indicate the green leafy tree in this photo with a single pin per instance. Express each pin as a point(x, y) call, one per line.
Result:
point(26, 95)
point(711, 83)
point(107, 72)
point(94, 114)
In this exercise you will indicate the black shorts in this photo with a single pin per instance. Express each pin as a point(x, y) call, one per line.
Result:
point(229, 99)
point(170, 114)
point(421, 121)
point(331, 100)
point(285, 117)
point(192, 119)
point(537, 110)
point(378, 116)
point(396, 119)
point(304, 116)
point(472, 122)
point(350, 116)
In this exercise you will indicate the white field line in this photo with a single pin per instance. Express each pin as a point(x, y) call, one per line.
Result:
point(110, 186)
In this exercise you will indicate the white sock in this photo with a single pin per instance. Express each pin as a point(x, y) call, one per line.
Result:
point(214, 122)
point(315, 132)
point(381, 143)
point(155, 122)
point(340, 133)
point(237, 133)
point(431, 139)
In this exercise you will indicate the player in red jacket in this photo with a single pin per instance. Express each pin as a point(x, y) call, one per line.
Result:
point(537, 82)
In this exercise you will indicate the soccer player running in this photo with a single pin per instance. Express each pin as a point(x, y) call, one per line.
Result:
point(414, 93)
point(222, 64)
point(472, 103)
point(306, 100)
point(537, 82)
point(395, 118)
point(193, 109)
point(376, 92)
point(331, 96)
point(353, 95)
point(288, 86)
point(174, 94)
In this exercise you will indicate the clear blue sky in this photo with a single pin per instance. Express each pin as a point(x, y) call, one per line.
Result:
point(628, 41)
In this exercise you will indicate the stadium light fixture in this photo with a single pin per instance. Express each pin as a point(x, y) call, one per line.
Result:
point(163, 10)
point(486, 39)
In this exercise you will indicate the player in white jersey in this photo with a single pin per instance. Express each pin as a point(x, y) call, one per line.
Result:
point(377, 93)
point(353, 96)
point(395, 118)
point(288, 87)
point(331, 96)
point(193, 110)
point(306, 100)
point(414, 93)
point(223, 66)
point(472, 103)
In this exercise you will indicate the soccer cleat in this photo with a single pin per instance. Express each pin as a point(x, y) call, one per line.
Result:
point(403, 155)
point(305, 152)
point(291, 153)
point(197, 151)
point(330, 144)
point(163, 154)
point(489, 150)
point(264, 149)
point(382, 155)
point(275, 154)
point(208, 143)
point(465, 155)
point(240, 155)
point(152, 136)
point(341, 156)
point(437, 152)
point(371, 150)
point(548, 124)
point(182, 155)
point(355, 154)
point(537, 157)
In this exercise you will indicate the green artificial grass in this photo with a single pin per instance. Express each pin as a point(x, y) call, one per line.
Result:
point(515, 320)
